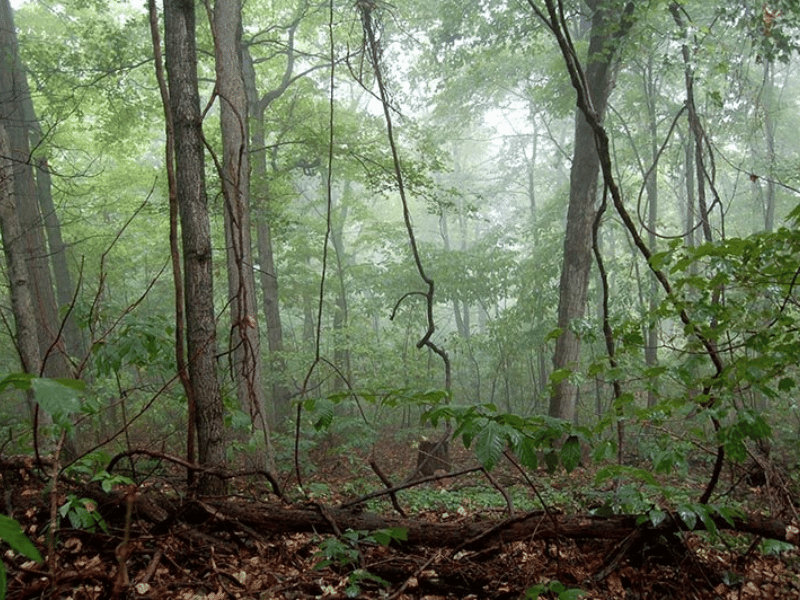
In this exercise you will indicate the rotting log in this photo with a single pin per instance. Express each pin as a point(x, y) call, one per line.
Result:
point(270, 519)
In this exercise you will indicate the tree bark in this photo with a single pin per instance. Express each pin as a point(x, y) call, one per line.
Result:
point(574, 284)
point(14, 94)
point(14, 250)
point(769, 141)
point(477, 534)
point(266, 258)
point(245, 340)
point(181, 58)
point(651, 188)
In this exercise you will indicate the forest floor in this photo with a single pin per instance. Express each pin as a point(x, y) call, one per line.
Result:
point(197, 556)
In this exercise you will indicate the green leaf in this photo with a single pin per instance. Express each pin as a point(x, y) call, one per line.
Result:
point(559, 375)
point(656, 516)
point(526, 451)
point(57, 397)
point(20, 381)
point(688, 515)
point(571, 453)
point(707, 516)
point(385, 536)
point(551, 460)
point(490, 443)
point(533, 592)
point(11, 533)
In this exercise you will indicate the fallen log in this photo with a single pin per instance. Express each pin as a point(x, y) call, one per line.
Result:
point(271, 519)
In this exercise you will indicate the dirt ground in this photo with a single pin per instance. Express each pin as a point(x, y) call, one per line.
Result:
point(193, 555)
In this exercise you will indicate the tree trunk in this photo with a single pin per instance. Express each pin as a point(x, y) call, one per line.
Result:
point(14, 94)
point(58, 253)
point(14, 250)
point(245, 341)
point(341, 317)
point(769, 140)
point(181, 58)
point(266, 258)
point(651, 188)
point(574, 283)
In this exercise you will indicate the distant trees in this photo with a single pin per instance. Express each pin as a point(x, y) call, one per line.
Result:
point(19, 121)
point(502, 187)
point(46, 337)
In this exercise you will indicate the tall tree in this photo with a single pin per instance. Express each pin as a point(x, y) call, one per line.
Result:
point(14, 250)
point(258, 104)
point(16, 113)
point(235, 175)
point(181, 58)
point(609, 25)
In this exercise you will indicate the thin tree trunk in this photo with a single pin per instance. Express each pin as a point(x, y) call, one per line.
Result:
point(266, 259)
point(341, 317)
point(174, 244)
point(245, 336)
point(769, 141)
point(651, 188)
point(181, 58)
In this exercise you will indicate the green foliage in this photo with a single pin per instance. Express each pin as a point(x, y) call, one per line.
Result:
point(60, 398)
point(554, 589)
point(11, 533)
point(89, 468)
point(693, 512)
point(492, 432)
point(343, 552)
point(82, 514)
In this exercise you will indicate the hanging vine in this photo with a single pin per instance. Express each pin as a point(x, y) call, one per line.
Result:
point(370, 12)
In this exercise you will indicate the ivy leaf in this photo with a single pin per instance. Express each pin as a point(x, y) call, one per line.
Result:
point(656, 516)
point(688, 515)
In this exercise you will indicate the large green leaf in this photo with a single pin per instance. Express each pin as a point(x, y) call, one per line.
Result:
point(490, 442)
point(11, 533)
point(571, 453)
point(57, 397)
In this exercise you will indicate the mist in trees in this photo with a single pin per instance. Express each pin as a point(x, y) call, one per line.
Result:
point(581, 213)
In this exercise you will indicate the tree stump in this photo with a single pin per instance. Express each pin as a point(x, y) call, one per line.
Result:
point(433, 456)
